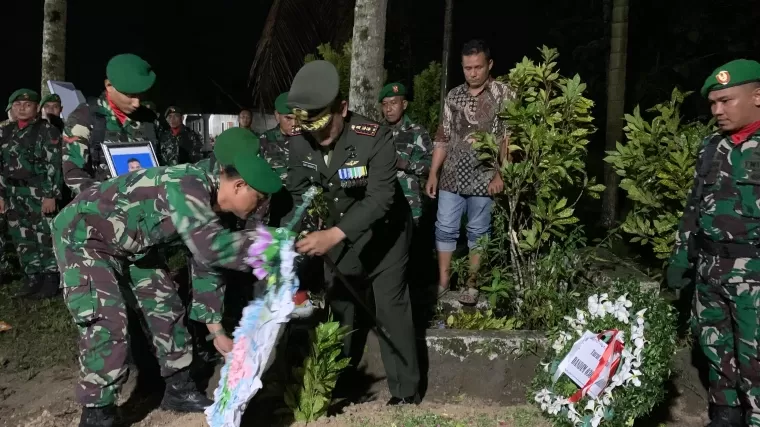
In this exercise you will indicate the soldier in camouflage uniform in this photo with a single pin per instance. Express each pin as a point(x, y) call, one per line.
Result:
point(4, 266)
point(178, 144)
point(275, 148)
point(718, 245)
point(50, 110)
point(116, 116)
point(106, 232)
point(30, 185)
point(413, 146)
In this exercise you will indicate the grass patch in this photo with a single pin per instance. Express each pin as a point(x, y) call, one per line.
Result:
point(43, 333)
point(520, 416)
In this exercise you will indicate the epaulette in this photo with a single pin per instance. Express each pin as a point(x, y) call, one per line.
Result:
point(369, 129)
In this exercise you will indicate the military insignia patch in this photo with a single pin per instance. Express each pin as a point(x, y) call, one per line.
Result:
point(368, 129)
point(300, 113)
point(395, 89)
point(352, 163)
point(353, 177)
point(296, 130)
point(723, 77)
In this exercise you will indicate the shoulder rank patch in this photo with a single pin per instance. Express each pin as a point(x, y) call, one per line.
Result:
point(368, 129)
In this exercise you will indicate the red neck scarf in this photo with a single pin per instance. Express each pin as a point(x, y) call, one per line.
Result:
point(23, 123)
point(120, 116)
point(744, 133)
point(177, 130)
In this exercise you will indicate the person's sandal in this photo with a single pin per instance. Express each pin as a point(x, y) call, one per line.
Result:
point(469, 296)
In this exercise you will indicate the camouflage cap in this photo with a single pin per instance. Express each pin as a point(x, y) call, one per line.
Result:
point(23, 95)
point(734, 73)
point(391, 89)
point(130, 74)
point(50, 98)
point(172, 110)
point(281, 104)
point(239, 148)
point(315, 87)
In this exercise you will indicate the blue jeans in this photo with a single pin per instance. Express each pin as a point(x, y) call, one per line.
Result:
point(450, 209)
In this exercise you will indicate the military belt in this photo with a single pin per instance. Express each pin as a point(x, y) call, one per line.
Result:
point(728, 250)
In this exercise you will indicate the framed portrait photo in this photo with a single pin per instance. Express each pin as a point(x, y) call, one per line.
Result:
point(125, 157)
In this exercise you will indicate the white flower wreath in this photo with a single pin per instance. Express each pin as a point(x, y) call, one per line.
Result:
point(627, 374)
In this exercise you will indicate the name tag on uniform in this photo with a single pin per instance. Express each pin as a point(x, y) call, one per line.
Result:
point(309, 165)
point(353, 177)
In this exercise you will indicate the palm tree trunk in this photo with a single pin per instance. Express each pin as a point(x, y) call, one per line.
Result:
point(53, 43)
point(615, 105)
point(448, 29)
point(367, 57)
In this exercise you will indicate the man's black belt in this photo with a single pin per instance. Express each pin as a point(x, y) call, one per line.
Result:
point(728, 250)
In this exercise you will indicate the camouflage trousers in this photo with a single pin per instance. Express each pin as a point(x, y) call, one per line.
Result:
point(727, 324)
point(91, 275)
point(29, 230)
point(3, 239)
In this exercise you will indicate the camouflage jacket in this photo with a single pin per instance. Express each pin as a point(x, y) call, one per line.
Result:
point(414, 154)
point(83, 162)
point(134, 212)
point(31, 157)
point(184, 147)
point(728, 210)
point(275, 147)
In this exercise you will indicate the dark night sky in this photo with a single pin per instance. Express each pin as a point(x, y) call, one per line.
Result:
point(191, 42)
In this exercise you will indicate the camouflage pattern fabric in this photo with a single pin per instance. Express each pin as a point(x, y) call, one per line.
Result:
point(727, 295)
point(30, 172)
point(184, 147)
point(276, 149)
point(80, 168)
point(414, 151)
point(111, 230)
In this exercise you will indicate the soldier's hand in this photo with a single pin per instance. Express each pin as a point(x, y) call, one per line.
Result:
point(431, 188)
point(496, 185)
point(48, 206)
point(223, 345)
point(677, 276)
point(320, 242)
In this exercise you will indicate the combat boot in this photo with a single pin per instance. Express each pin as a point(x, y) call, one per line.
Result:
point(49, 287)
point(182, 395)
point(98, 417)
point(31, 286)
point(726, 416)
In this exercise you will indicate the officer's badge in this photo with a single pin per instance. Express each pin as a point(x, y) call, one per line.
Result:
point(301, 114)
point(369, 129)
point(395, 88)
point(353, 177)
point(723, 77)
point(352, 163)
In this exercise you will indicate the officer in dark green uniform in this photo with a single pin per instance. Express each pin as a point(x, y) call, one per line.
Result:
point(368, 227)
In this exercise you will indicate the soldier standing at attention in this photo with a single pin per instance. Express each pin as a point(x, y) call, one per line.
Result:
point(116, 116)
point(96, 240)
point(369, 223)
point(275, 148)
point(50, 110)
point(178, 144)
point(721, 222)
point(30, 184)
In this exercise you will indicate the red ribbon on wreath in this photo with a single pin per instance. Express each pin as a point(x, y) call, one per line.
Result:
point(615, 347)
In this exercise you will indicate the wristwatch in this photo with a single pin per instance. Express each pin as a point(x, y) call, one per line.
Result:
point(218, 333)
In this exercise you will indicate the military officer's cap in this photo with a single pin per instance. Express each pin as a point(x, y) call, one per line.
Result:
point(391, 89)
point(172, 110)
point(130, 74)
point(149, 105)
point(735, 73)
point(314, 89)
point(50, 98)
point(281, 104)
point(23, 95)
point(239, 148)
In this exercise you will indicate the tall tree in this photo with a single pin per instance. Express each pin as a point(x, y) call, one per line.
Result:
point(615, 104)
point(367, 57)
point(448, 29)
point(53, 43)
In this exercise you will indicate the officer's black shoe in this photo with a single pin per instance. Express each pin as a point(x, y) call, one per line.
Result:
point(726, 416)
point(400, 401)
point(98, 417)
point(31, 286)
point(182, 395)
point(49, 288)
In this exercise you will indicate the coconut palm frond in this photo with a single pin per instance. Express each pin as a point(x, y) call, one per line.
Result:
point(293, 29)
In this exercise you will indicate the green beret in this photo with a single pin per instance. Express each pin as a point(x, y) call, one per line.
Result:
point(281, 104)
point(735, 73)
point(314, 88)
point(239, 148)
point(130, 74)
point(23, 95)
point(391, 89)
point(51, 98)
point(172, 110)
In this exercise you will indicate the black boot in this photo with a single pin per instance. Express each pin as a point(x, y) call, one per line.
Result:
point(49, 287)
point(726, 416)
point(182, 395)
point(31, 286)
point(98, 417)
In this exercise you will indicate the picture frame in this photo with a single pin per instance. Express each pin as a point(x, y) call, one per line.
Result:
point(125, 157)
